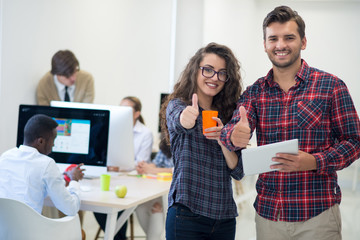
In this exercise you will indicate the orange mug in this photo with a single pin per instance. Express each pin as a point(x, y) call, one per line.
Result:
point(208, 122)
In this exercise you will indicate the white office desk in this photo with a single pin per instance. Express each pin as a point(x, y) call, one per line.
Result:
point(140, 190)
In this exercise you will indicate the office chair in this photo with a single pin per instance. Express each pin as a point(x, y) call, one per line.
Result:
point(20, 221)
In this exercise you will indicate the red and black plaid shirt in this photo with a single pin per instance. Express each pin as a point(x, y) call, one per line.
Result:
point(317, 110)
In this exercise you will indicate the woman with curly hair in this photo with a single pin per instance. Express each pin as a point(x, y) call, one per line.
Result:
point(201, 204)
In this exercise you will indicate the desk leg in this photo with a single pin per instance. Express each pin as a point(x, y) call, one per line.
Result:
point(110, 224)
point(165, 209)
point(165, 204)
point(123, 217)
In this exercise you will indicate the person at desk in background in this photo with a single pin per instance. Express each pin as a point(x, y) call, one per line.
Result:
point(65, 81)
point(28, 175)
point(295, 101)
point(162, 162)
point(143, 141)
point(151, 214)
point(201, 204)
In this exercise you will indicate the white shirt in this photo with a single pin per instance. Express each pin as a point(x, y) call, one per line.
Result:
point(29, 176)
point(61, 90)
point(143, 141)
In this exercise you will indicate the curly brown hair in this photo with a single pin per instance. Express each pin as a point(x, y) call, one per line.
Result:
point(224, 101)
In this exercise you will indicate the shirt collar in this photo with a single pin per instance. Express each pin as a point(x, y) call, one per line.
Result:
point(25, 148)
point(138, 126)
point(61, 86)
point(301, 75)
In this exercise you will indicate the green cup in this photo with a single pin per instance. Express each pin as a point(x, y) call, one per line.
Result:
point(105, 182)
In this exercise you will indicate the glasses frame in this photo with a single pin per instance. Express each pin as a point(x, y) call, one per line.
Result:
point(215, 72)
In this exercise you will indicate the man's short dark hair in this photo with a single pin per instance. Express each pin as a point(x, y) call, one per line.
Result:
point(283, 14)
point(38, 126)
point(64, 63)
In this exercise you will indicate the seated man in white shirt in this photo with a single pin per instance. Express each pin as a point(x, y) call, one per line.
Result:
point(28, 175)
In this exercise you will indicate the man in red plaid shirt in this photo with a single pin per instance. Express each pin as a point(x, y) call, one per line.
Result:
point(295, 101)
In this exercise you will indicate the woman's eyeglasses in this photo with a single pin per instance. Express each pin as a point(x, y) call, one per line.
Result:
point(209, 73)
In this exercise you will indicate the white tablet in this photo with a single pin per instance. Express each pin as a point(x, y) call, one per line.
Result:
point(258, 160)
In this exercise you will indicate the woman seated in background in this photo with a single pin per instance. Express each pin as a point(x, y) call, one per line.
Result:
point(150, 214)
point(143, 138)
point(143, 141)
point(161, 163)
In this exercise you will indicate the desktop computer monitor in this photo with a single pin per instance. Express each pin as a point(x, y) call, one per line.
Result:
point(82, 136)
point(121, 143)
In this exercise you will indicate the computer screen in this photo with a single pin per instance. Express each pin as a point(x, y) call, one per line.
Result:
point(82, 134)
point(121, 143)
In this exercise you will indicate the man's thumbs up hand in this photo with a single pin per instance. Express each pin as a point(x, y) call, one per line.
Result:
point(241, 134)
point(190, 113)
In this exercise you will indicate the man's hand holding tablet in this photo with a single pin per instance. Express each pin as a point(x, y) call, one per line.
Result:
point(302, 161)
point(261, 159)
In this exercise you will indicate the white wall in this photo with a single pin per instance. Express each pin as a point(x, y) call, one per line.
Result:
point(332, 30)
point(125, 44)
point(189, 37)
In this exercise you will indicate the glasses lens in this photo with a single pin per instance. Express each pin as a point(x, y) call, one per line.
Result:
point(222, 76)
point(208, 72)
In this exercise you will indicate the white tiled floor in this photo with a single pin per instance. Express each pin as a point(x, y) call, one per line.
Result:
point(350, 211)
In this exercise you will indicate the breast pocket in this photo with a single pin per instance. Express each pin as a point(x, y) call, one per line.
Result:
point(309, 114)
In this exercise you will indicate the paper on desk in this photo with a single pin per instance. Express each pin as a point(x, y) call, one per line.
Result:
point(258, 160)
point(133, 173)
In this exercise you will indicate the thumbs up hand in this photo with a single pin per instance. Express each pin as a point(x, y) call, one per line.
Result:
point(241, 133)
point(190, 113)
